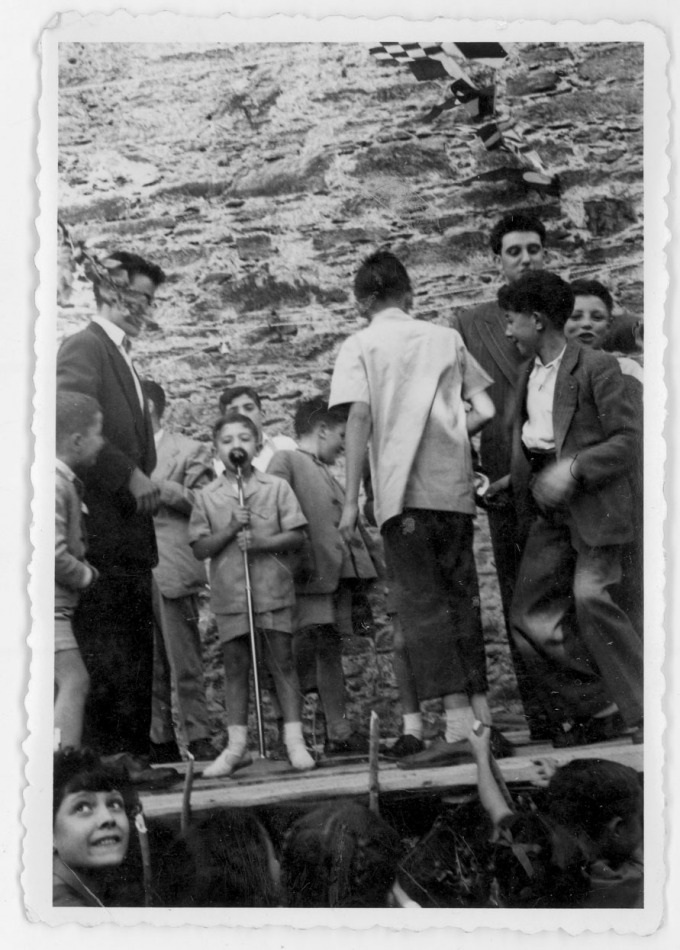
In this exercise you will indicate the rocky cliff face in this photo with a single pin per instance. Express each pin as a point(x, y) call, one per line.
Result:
point(258, 176)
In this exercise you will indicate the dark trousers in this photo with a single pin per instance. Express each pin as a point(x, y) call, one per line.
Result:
point(113, 624)
point(580, 646)
point(430, 556)
point(508, 535)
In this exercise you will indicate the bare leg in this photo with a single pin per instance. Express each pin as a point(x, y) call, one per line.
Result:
point(72, 682)
point(236, 654)
point(279, 658)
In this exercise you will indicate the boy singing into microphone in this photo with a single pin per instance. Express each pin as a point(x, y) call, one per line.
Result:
point(267, 526)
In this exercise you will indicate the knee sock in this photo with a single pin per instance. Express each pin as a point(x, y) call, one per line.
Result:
point(458, 723)
point(295, 746)
point(413, 724)
point(238, 739)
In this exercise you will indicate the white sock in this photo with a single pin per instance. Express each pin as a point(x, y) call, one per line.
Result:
point(295, 746)
point(458, 723)
point(413, 724)
point(238, 739)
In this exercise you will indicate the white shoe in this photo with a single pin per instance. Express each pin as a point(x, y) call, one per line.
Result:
point(226, 763)
point(299, 758)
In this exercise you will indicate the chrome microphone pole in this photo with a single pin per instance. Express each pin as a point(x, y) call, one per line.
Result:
point(237, 457)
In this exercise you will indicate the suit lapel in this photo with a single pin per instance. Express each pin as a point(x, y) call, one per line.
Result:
point(141, 418)
point(492, 333)
point(565, 398)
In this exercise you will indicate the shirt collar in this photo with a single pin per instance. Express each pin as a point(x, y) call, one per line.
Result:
point(391, 313)
point(66, 470)
point(112, 330)
point(554, 362)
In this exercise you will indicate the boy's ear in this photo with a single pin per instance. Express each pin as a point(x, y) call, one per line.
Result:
point(614, 824)
point(539, 320)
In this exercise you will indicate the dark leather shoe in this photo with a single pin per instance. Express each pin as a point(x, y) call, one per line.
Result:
point(442, 753)
point(202, 750)
point(354, 744)
point(161, 752)
point(140, 774)
point(439, 753)
point(405, 745)
point(589, 731)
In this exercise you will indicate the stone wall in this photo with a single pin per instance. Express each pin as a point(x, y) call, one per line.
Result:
point(258, 176)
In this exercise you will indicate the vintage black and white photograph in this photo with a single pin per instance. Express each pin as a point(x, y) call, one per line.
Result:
point(351, 371)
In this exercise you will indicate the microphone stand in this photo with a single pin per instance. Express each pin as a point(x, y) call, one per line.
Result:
point(251, 625)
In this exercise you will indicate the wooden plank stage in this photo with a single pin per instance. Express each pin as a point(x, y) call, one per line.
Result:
point(266, 784)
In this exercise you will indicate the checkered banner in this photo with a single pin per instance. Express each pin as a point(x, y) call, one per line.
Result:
point(431, 61)
point(425, 60)
point(441, 56)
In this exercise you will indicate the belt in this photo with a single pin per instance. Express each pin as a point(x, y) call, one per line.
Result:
point(539, 460)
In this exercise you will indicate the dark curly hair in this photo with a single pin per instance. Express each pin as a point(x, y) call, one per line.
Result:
point(515, 221)
point(81, 770)
point(339, 855)
point(585, 794)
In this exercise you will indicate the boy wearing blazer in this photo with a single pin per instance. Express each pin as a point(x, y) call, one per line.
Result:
point(577, 427)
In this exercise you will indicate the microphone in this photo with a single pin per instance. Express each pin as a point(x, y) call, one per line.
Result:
point(237, 457)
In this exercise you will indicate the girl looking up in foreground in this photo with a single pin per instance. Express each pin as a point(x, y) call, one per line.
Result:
point(267, 526)
point(92, 810)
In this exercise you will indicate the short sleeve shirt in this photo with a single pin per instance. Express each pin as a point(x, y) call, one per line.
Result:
point(415, 377)
point(273, 508)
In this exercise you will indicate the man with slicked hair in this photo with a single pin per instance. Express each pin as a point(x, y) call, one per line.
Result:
point(517, 241)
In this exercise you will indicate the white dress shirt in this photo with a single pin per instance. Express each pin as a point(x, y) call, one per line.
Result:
point(117, 336)
point(538, 433)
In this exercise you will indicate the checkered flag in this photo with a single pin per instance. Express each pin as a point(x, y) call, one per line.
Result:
point(425, 60)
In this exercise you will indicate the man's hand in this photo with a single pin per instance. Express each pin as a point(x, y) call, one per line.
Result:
point(555, 485)
point(244, 539)
point(145, 492)
point(348, 521)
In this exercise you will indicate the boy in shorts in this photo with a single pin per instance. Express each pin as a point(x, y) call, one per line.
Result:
point(267, 526)
point(79, 440)
point(324, 595)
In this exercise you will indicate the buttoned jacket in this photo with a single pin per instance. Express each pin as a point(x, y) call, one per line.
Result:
point(594, 420)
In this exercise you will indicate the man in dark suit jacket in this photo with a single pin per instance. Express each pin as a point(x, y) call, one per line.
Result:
point(518, 241)
point(577, 426)
point(183, 467)
point(113, 623)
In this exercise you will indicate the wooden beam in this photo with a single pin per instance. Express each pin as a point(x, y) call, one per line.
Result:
point(350, 780)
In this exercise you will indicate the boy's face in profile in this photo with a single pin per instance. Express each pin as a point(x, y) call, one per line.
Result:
point(235, 435)
point(89, 443)
point(522, 329)
point(589, 322)
point(331, 442)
